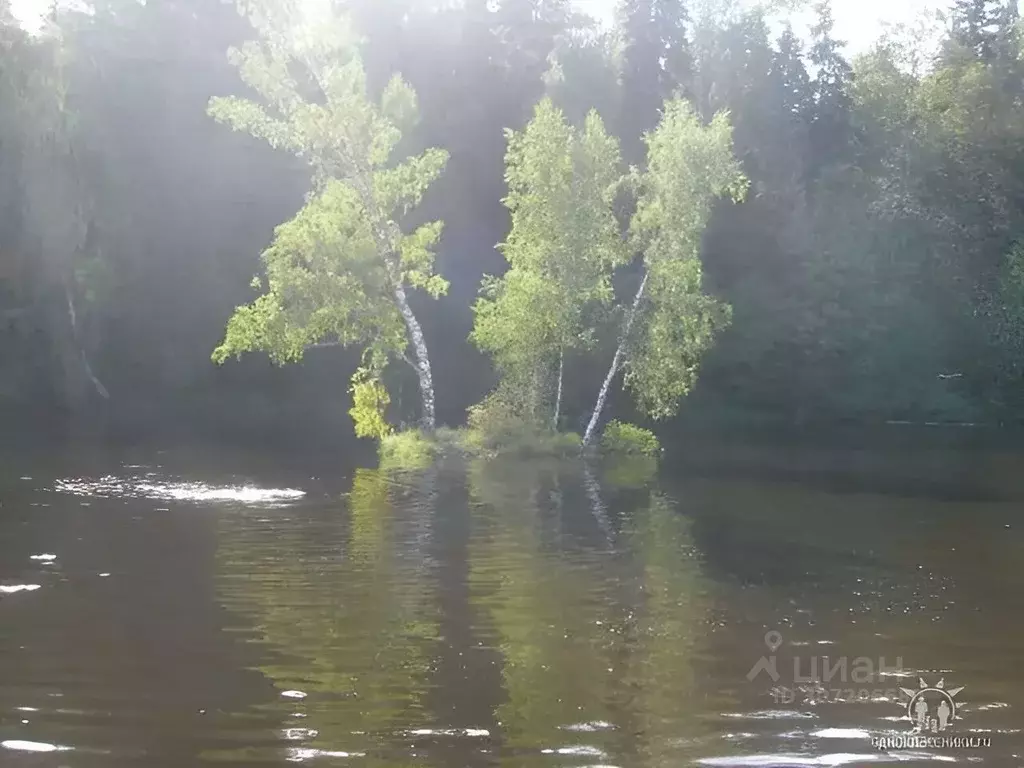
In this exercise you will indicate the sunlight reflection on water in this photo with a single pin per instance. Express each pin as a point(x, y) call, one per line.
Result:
point(300, 755)
point(32, 746)
point(471, 732)
point(111, 486)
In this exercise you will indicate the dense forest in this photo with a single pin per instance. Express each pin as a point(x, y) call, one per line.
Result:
point(874, 266)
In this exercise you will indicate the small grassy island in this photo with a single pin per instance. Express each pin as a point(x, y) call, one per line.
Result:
point(415, 448)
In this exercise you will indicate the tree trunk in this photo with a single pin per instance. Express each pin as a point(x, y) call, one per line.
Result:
point(74, 373)
point(427, 419)
point(387, 236)
point(602, 397)
point(80, 344)
point(536, 397)
point(558, 394)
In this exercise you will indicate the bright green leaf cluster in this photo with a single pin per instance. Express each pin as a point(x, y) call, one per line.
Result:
point(417, 259)
point(690, 166)
point(325, 282)
point(370, 400)
point(622, 438)
point(562, 248)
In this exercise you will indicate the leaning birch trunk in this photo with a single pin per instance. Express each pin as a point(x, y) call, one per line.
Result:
point(595, 417)
point(558, 394)
point(426, 379)
point(387, 237)
point(77, 341)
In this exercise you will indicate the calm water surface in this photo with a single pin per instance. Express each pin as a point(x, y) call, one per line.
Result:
point(183, 608)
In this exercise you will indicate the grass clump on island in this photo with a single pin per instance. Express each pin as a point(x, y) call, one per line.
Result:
point(493, 432)
point(412, 449)
point(495, 429)
point(416, 449)
point(501, 427)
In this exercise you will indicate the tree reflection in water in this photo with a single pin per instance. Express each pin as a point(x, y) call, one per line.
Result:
point(475, 610)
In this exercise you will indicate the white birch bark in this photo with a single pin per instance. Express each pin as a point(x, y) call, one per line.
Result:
point(419, 345)
point(602, 397)
point(558, 394)
point(387, 237)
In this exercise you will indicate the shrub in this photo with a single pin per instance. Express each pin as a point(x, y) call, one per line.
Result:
point(496, 429)
point(406, 450)
point(629, 439)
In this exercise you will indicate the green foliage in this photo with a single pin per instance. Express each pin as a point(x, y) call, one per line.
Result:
point(370, 400)
point(561, 250)
point(496, 429)
point(336, 272)
point(325, 282)
point(513, 321)
point(689, 167)
point(406, 450)
point(564, 247)
point(629, 439)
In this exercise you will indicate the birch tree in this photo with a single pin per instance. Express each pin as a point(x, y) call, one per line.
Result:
point(47, 207)
point(670, 322)
point(562, 249)
point(340, 271)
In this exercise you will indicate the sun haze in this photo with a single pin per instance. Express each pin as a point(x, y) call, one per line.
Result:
point(858, 22)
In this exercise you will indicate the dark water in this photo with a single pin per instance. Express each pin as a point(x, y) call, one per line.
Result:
point(182, 608)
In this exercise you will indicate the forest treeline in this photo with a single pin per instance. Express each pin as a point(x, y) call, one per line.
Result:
point(874, 270)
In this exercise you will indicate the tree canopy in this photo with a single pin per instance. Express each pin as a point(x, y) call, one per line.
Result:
point(562, 250)
point(339, 269)
point(689, 167)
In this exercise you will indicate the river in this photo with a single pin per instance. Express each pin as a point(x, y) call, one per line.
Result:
point(183, 607)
